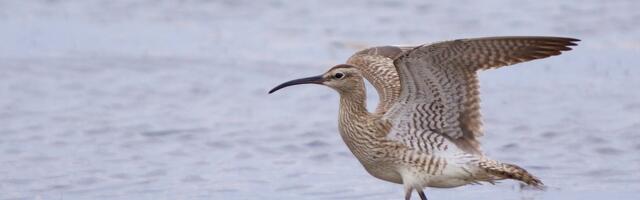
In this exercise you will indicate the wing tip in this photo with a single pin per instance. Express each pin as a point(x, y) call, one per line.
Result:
point(572, 42)
point(560, 43)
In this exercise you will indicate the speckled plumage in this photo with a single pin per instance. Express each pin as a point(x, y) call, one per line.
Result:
point(424, 131)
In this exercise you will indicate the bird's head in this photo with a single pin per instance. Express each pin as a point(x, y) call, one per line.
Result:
point(343, 78)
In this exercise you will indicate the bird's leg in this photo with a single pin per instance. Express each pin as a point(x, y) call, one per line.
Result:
point(407, 192)
point(421, 193)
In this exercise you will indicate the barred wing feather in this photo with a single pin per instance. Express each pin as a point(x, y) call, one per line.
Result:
point(439, 89)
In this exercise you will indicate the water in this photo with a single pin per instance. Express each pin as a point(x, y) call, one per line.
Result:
point(167, 100)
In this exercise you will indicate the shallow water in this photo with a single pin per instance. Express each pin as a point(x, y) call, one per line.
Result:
point(167, 100)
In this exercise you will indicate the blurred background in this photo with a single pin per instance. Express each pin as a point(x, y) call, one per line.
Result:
point(149, 99)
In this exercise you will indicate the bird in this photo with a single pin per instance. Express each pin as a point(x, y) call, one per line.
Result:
point(426, 127)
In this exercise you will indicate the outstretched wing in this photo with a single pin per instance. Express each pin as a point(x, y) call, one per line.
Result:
point(439, 89)
point(376, 65)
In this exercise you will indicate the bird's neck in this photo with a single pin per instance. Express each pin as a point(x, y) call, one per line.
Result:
point(358, 127)
point(353, 104)
point(354, 116)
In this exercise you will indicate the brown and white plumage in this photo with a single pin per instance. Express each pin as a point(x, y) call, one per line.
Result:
point(424, 132)
point(443, 75)
point(376, 65)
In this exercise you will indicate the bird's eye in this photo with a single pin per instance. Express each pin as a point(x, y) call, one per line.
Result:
point(338, 75)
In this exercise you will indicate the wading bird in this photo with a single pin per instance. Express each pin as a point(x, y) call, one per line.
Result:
point(424, 131)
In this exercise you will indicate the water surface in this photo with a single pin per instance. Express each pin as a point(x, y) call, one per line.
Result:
point(167, 100)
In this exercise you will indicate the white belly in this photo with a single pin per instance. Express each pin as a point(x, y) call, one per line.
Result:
point(384, 173)
point(453, 175)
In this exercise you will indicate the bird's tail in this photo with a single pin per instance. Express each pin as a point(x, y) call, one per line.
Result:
point(510, 171)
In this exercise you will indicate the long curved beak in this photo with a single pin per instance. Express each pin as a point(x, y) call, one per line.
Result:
point(313, 79)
